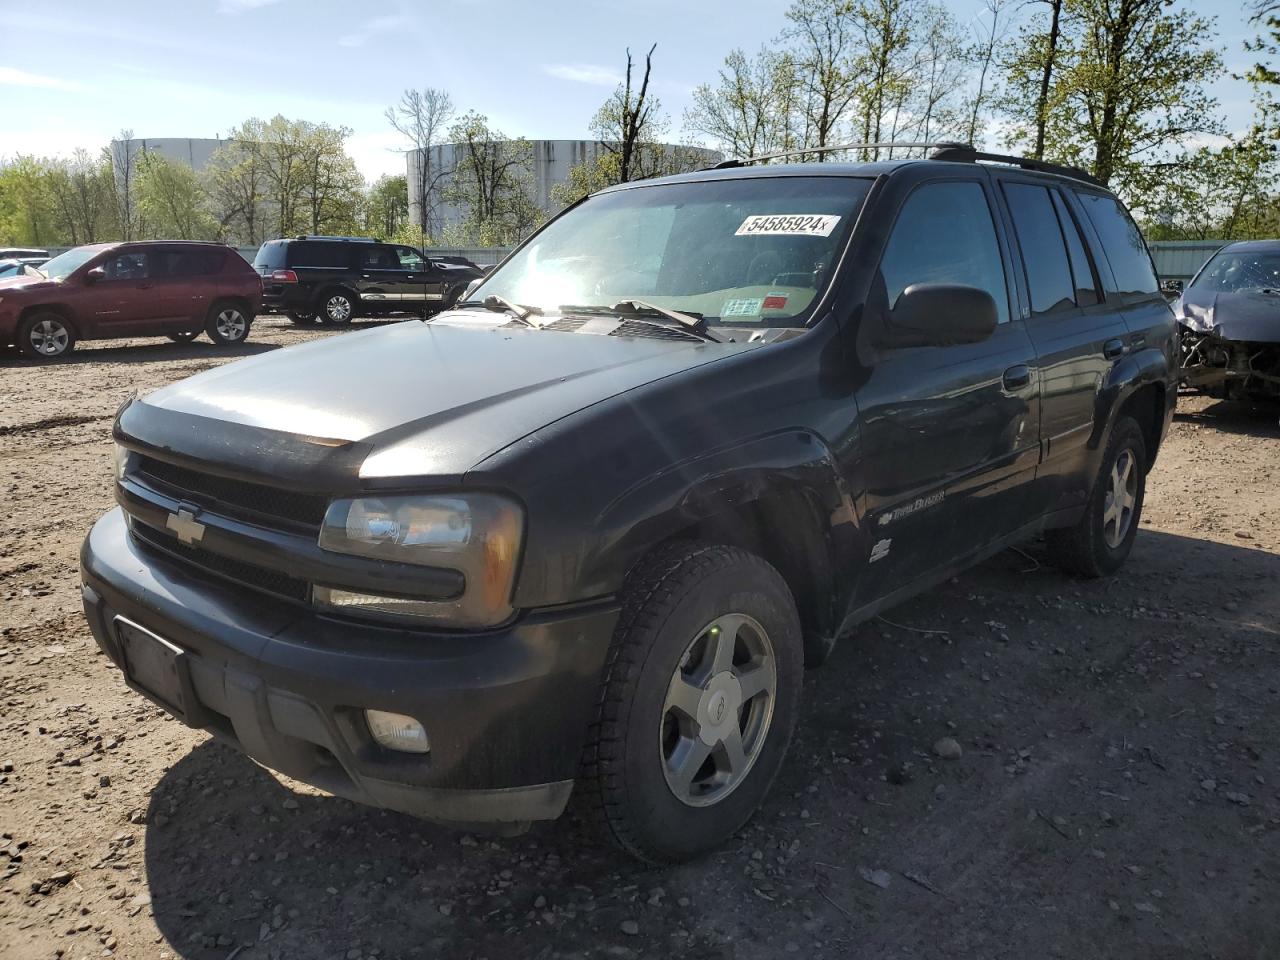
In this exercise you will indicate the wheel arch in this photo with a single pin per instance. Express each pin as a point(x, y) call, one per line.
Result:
point(66, 313)
point(779, 497)
point(1139, 387)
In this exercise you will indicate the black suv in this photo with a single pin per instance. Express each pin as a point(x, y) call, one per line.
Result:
point(335, 279)
point(582, 533)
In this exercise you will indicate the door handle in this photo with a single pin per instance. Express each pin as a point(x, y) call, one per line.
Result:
point(1137, 341)
point(1017, 377)
point(144, 286)
point(1113, 348)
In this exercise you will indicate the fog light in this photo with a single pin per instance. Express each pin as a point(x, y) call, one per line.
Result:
point(395, 731)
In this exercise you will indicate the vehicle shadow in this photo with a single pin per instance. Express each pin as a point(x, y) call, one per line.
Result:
point(1235, 416)
point(1068, 697)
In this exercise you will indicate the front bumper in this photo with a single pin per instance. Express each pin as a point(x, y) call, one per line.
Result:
point(506, 711)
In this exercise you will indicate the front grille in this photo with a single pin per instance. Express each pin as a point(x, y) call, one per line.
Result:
point(247, 574)
point(209, 490)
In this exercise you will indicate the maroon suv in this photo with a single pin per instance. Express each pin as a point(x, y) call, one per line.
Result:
point(154, 288)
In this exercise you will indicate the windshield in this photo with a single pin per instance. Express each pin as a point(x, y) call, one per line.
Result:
point(1234, 272)
point(63, 266)
point(755, 251)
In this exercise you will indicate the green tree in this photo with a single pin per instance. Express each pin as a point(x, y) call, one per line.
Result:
point(1129, 87)
point(236, 179)
point(26, 204)
point(751, 109)
point(387, 206)
point(172, 203)
point(82, 192)
point(491, 182)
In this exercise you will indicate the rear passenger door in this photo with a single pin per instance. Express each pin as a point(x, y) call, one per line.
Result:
point(1078, 332)
point(950, 435)
point(185, 279)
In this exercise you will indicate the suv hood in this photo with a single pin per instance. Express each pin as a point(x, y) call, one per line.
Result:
point(25, 284)
point(1248, 315)
point(420, 400)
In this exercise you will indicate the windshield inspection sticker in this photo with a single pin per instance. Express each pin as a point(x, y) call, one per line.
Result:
point(793, 225)
point(775, 301)
point(746, 307)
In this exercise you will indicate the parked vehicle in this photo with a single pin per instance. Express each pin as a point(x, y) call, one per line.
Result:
point(583, 532)
point(336, 279)
point(10, 268)
point(1229, 317)
point(24, 253)
point(154, 288)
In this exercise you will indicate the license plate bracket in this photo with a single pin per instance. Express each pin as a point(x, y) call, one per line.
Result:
point(159, 670)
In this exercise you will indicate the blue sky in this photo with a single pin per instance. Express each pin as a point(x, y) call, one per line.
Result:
point(171, 68)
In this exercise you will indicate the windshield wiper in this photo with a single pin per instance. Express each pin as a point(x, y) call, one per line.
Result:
point(631, 309)
point(503, 305)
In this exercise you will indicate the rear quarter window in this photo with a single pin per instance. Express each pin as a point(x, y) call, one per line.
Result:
point(271, 256)
point(328, 255)
point(1123, 245)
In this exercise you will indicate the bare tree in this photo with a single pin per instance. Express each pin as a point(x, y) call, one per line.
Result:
point(422, 117)
point(125, 171)
point(628, 113)
point(824, 39)
point(1046, 77)
point(984, 52)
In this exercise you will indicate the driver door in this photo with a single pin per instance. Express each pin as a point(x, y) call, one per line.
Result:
point(122, 303)
point(950, 434)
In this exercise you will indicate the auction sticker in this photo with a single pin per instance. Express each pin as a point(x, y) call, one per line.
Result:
point(792, 225)
point(745, 307)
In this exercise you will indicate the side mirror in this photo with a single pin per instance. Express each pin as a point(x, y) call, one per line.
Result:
point(96, 274)
point(938, 315)
point(1171, 288)
point(471, 288)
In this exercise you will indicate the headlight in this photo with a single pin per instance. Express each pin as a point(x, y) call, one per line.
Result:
point(477, 534)
point(124, 459)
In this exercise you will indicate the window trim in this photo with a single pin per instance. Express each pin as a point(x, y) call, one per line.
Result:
point(1099, 290)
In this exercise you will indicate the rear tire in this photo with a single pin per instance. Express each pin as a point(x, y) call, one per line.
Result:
point(1100, 542)
point(228, 324)
point(186, 336)
point(699, 698)
point(302, 319)
point(46, 336)
point(337, 308)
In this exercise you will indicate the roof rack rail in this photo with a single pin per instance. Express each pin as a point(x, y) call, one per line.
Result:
point(317, 236)
point(967, 153)
point(917, 145)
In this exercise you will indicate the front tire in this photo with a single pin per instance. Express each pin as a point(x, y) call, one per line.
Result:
point(46, 336)
point(1100, 542)
point(699, 700)
point(228, 324)
point(337, 308)
point(302, 319)
point(185, 336)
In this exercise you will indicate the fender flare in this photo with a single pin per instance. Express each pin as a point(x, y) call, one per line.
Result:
point(1144, 368)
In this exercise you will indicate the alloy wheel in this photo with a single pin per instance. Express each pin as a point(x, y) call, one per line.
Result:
point(231, 324)
point(50, 337)
point(338, 309)
point(1122, 497)
point(718, 708)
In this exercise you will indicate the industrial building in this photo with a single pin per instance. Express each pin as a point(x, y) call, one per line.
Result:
point(552, 161)
point(192, 151)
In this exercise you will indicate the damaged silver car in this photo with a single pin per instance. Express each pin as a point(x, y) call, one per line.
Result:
point(1229, 318)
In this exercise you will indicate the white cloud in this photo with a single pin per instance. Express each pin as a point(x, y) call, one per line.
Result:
point(374, 28)
point(589, 73)
point(240, 6)
point(13, 77)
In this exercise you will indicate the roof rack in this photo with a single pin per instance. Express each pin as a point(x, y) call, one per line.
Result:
point(967, 153)
point(316, 236)
point(727, 164)
point(940, 150)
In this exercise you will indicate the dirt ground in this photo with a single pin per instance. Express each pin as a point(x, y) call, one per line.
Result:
point(1118, 794)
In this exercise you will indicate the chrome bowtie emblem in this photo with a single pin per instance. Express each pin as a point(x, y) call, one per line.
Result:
point(185, 526)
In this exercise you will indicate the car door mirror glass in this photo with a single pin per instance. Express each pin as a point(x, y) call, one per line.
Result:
point(940, 314)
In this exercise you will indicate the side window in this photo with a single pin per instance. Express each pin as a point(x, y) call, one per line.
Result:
point(127, 266)
point(1044, 252)
point(333, 256)
point(189, 263)
point(410, 259)
point(374, 257)
point(1122, 243)
point(945, 234)
point(1081, 271)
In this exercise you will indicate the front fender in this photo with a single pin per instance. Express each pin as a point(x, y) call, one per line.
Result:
point(720, 489)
